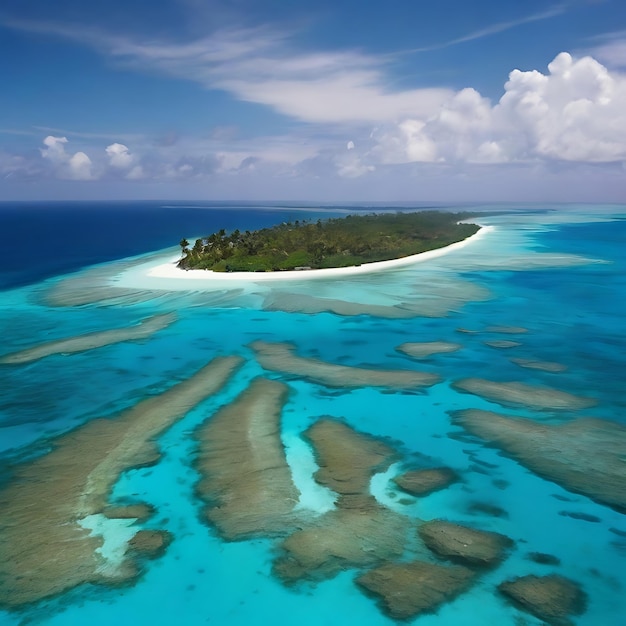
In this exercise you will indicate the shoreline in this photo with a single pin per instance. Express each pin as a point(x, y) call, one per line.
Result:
point(169, 270)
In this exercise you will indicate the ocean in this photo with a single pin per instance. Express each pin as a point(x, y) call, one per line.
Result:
point(263, 424)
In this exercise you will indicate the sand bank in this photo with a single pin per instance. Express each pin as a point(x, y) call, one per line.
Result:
point(169, 269)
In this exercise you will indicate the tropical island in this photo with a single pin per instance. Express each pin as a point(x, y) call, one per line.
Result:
point(337, 242)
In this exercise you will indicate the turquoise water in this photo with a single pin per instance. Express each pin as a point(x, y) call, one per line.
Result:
point(559, 274)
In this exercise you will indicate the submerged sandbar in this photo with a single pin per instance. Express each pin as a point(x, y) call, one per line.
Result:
point(44, 547)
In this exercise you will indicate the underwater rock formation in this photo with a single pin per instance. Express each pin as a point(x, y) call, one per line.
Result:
point(146, 328)
point(359, 532)
point(44, 548)
point(519, 394)
point(462, 544)
point(405, 590)
point(550, 598)
point(424, 481)
point(584, 456)
point(246, 481)
point(425, 349)
point(280, 357)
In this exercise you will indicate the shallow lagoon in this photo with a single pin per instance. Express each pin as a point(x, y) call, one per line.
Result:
point(559, 274)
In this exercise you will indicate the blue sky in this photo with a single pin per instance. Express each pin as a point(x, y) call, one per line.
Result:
point(325, 101)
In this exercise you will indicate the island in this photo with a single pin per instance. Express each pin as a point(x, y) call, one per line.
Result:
point(338, 242)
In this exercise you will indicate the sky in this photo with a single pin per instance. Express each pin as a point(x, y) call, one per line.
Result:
point(333, 100)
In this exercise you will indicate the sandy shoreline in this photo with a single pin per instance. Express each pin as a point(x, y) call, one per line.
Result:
point(169, 269)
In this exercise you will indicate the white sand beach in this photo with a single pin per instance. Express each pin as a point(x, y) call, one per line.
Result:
point(169, 270)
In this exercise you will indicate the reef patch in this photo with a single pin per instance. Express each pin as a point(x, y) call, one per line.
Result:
point(435, 299)
point(464, 545)
point(543, 559)
point(584, 456)
point(507, 330)
point(149, 543)
point(140, 511)
point(551, 598)
point(425, 349)
point(544, 366)
point(48, 497)
point(280, 357)
point(502, 343)
point(246, 480)
point(359, 532)
point(521, 395)
point(405, 590)
point(424, 481)
point(81, 343)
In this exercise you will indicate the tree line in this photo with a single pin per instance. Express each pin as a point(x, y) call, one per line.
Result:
point(336, 242)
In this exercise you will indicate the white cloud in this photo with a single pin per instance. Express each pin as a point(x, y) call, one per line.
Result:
point(55, 149)
point(137, 173)
point(610, 49)
point(79, 167)
point(71, 167)
point(500, 27)
point(119, 156)
point(261, 66)
point(350, 145)
point(351, 165)
point(575, 112)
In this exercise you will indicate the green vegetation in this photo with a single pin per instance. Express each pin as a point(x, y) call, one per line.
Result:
point(341, 242)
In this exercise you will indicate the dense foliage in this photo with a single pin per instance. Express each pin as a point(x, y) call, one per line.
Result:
point(340, 242)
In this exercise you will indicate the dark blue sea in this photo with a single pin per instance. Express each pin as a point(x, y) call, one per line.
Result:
point(532, 306)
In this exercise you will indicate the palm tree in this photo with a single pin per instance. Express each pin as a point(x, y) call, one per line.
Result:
point(184, 245)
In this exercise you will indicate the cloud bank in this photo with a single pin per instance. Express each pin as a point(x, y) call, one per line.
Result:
point(346, 121)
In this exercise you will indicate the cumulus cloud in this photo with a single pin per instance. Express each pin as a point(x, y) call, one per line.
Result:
point(72, 167)
point(576, 112)
point(119, 156)
point(136, 173)
point(55, 149)
point(79, 167)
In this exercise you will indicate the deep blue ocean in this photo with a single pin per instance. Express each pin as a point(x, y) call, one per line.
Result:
point(548, 281)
